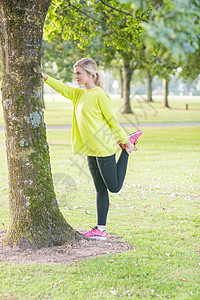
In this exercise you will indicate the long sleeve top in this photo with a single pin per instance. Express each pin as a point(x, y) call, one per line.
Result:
point(93, 120)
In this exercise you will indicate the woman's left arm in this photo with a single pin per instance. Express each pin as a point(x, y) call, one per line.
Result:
point(107, 110)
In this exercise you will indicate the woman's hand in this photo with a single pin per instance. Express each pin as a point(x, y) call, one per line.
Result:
point(44, 76)
point(39, 71)
point(129, 147)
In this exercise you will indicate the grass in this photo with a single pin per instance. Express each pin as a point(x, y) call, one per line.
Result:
point(143, 112)
point(156, 212)
point(59, 110)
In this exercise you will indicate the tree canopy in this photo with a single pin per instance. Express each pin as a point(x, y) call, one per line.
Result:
point(117, 23)
point(173, 23)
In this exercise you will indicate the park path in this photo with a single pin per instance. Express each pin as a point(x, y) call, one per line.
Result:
point(136, 125)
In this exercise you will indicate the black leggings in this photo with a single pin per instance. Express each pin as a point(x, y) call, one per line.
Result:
point(107, 176)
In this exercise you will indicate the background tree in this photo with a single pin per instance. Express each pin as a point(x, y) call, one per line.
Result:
point(175, 25)
point(191, 67)
point(151, 65)
point(35, 218)
point(156, 64)
point(166, 68)
point(131, 61)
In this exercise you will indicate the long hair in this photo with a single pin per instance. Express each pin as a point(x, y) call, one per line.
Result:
point(90, 67)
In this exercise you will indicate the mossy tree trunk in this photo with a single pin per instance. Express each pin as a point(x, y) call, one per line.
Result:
point(165, 93)
point(35, 218)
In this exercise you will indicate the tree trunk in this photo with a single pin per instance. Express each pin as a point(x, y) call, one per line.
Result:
point(35, 218)
point(165, 93)
point(149, 87)
point(121, 82)
point(127, 75)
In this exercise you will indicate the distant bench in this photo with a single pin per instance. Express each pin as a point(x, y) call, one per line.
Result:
point(189, 103)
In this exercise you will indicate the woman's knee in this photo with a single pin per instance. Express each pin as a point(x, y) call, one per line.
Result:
point(114, 190)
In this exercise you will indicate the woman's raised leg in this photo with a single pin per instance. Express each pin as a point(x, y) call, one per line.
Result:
point(113, 173)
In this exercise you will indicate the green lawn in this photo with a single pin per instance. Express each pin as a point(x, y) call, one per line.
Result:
point(58, 110)
point(157, 212)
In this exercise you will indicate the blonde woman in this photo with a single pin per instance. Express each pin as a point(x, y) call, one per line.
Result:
point(92, 135)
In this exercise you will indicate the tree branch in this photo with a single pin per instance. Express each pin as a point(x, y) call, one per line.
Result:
point(134, 65)
point(122, 11)
point(90, 17)
point(87, 15)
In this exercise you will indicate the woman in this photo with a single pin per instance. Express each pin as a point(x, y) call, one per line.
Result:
point(92, 135)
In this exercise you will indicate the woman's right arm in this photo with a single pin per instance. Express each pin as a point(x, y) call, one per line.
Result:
point(62, 88)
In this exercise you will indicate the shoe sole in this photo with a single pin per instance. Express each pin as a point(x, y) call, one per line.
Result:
point(98, 238)
point(134, 133)
point(139, 132)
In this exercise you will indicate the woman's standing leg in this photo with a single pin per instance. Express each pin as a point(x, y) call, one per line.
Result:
point(102, 197)
point(106, 174)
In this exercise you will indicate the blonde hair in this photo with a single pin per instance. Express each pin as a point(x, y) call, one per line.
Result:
point(90, 67)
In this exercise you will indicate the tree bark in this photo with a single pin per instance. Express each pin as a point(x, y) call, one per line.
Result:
point(149, 87)
point(127, 75)
point(35, 218)
point(165, 93)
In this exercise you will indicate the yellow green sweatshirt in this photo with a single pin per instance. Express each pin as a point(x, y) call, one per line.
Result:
point(93, 120)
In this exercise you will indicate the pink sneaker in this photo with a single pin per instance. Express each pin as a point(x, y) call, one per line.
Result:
point(133, 139)
point(95, 233)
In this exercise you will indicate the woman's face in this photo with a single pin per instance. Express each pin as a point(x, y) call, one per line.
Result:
point(81, 76)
